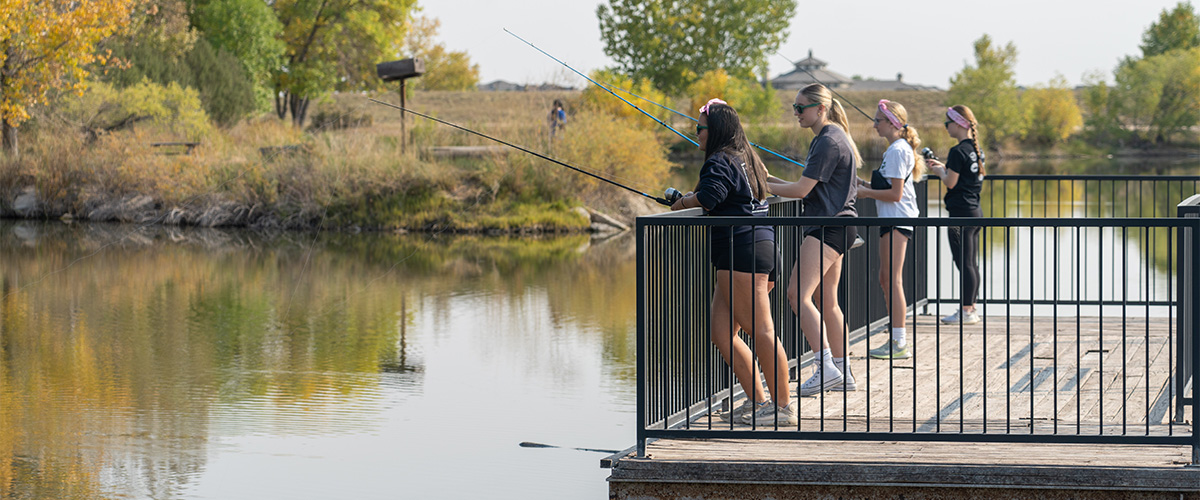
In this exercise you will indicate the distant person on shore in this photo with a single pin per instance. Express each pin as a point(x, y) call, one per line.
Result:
point(891, 187)
point(557, 119)
point(829, 189)
point(963, 176)
point(733, 182)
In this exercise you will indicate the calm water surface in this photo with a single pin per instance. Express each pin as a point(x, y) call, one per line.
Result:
point(167, 363)
point(175, 363)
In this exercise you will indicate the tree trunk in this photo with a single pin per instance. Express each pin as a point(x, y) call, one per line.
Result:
point(281, 100)
point(299, 107)
point(9, 135)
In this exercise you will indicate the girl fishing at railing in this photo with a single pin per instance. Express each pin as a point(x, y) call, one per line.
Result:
point(733, 182)
point(963, 176)
point(829, 188)
point(892, 188)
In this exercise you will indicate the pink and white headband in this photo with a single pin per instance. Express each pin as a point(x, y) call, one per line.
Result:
point(958, 118)
point(704, 108)
point(888, 114)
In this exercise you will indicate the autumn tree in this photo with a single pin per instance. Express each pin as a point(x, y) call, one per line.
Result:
point(672, 43)
point(47, 45)
point(1051, 112)
point(752, 101)
point(989, 88)
point(444, 69)
point(333, 45)
point(1178, 28)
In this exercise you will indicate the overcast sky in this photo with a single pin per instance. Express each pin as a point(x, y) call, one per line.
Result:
point(926, 40)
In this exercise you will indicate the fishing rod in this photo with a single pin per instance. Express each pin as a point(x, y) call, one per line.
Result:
point(697, 121)
point(652, 117)
point(527, 444)
point(814, 77)
point(671, 194)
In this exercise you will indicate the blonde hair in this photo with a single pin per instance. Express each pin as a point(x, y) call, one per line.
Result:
point(910, 135)
point(820, 94)
point(974, 131)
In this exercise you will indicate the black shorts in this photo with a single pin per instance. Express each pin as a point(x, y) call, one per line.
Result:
point(758, 258)
point(884, 230)
point(836, 237)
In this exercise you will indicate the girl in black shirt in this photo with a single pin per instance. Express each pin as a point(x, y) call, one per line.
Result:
point(733, 182)
point(963, 175)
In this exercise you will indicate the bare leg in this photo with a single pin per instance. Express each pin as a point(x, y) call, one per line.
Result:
point(892, 249)
point(755, 309)
point(724, 335)
point(815, 260)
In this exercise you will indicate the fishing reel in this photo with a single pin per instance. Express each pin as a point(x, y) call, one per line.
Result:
point(928, 154)
point(672, 195)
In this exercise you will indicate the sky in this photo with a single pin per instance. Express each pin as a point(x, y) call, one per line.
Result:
point(926, 40)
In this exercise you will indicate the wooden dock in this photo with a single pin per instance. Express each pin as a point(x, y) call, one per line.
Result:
point(1072, 376)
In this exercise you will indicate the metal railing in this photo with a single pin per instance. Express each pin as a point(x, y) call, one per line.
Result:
point(1062, 295)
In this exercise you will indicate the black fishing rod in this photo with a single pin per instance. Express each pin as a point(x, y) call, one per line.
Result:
point(814, 77)
point(652, 117)
point(671, 195)
point(801, 165)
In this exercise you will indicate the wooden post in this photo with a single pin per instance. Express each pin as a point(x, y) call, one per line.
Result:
point(403, 132)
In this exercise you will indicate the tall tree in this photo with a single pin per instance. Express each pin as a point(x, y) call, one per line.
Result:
point(444, 69)
point(1178, 28)
point(673, 42)
point(248, 29)
point(989, 88)
point(46, 45)
point(334, 45)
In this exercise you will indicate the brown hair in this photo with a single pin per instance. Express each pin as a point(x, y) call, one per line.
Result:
point(725, 135)
point(820, 94)
point(910, 135)
point(974, 131)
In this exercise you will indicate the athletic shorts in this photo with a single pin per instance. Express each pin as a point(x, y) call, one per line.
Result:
point(884, 230)
point(836, 237)
point(757, 258)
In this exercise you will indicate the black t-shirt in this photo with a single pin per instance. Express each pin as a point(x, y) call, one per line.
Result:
point(724, 190)
point(831, 162)
point(963, 199)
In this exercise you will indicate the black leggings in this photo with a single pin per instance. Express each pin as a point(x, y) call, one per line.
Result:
point(964, 246)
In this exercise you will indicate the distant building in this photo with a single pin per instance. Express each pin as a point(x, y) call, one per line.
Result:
point(501, 85)
point(812, 70)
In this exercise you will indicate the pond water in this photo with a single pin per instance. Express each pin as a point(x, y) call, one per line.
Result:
point(167, 363)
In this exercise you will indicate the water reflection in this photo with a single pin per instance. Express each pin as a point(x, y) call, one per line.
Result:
point(169, 363)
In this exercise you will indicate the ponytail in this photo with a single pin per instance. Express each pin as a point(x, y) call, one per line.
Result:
point(910, 135)
point(978, 150)
point(837, 115)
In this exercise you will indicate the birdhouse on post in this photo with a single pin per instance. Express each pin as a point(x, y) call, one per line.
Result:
point(401, 70)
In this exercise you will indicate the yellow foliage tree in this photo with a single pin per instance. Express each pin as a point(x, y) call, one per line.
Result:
point(46, 45)
point(1051, 112)
point(598, 99)
point(752, 101)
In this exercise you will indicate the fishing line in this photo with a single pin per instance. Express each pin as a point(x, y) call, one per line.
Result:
point(534, 153)
point(698, 121)
point(814, 77)
point(652, 117)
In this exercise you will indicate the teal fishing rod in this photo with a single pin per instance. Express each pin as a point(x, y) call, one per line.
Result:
point(671, 195)
point(598, 84)
point(818, 80)
point(697, 121)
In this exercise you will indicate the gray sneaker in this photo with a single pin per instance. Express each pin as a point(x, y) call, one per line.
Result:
point(815, 384)
point(968, 318)
point(889, 350)
point(769, 414)
point(735, 415)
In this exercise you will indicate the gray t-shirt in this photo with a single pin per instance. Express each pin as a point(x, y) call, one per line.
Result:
point(831, 163)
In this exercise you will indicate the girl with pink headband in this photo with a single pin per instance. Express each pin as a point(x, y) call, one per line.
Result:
point(733, 182)
point(895, 196)
point(963, 176)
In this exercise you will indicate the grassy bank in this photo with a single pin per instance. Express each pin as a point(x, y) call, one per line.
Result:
point(349, 170)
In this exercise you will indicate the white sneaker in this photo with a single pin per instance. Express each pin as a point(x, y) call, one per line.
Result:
point(847, 384)
point(747, 407)
point(815, 384)
point(969, 318)
point(769, 414)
